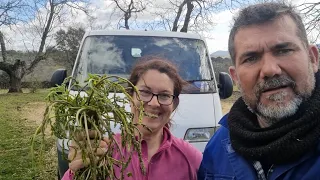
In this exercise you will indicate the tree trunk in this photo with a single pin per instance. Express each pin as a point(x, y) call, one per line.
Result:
point(127, 16)
point(3, 48)
point(16, 74)
point(176, 20)
point(40, 56)
point(15, 84)
point(190, 7)
point(126, 24)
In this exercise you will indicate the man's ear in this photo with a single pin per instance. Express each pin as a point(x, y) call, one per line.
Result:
point(176, 102)
point(233, 73)
point(314, 57)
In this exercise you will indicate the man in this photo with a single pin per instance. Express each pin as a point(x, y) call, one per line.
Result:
point(273, 130)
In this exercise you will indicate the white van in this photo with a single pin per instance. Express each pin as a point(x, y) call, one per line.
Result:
point(115, 52)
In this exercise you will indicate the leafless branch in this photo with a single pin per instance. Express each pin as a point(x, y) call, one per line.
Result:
point(311, 15)
point(128, 9)
point(180, 14)
point(3, 48)
point(9, 12)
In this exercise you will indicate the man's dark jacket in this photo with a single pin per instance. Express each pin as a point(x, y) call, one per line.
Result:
point(221, 162)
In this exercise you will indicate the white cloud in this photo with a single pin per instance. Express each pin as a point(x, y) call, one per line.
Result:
point(220, 34)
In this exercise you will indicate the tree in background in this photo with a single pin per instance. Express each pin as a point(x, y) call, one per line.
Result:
point(69, 43)
point(8, 12)
point(8, 17)
point(174, 15)
point(129, 8)
point(311, 14)
point(43, 16)
point(185, 15)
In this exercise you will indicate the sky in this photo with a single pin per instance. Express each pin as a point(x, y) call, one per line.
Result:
point(217, 38)
point(220, 33)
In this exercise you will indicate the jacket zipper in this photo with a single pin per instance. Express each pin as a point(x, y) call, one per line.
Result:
point(269, 171)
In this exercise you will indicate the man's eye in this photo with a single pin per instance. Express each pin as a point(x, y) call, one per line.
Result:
point(250, 59)
point(284, 51)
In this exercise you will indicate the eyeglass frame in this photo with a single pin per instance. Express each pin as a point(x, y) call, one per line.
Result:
point(157, 95)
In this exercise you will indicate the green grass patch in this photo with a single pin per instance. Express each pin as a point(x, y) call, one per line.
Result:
point(15, 139)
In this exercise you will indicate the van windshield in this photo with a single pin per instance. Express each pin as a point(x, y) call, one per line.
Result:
point(116, 55)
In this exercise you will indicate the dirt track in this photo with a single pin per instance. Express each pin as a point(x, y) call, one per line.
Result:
point(33, 112)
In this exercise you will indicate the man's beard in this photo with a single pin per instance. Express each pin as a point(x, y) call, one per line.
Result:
point(276, 112)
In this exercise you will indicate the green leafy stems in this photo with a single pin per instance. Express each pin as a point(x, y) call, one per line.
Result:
point(96, 106)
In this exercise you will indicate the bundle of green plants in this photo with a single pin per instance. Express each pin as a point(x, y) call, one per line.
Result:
point(98, 106)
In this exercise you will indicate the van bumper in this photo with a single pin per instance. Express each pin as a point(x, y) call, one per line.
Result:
point(199, 145)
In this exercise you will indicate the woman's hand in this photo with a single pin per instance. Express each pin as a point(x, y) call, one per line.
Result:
point(75, 153)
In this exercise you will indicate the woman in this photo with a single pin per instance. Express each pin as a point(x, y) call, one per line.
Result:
point(164, 156)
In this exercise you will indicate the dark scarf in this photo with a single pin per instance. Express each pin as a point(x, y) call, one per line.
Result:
point(283, 142)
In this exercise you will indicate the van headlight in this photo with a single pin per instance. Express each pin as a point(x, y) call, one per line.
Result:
point(200, 134)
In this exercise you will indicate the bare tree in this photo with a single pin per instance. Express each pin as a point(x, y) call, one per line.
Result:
point(19, 68)
point(8, 12)
point(129, 8)
point(311, 14)
point(185, 15)
point(193, 15)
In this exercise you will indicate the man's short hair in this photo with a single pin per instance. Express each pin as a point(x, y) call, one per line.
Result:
point(263, 13)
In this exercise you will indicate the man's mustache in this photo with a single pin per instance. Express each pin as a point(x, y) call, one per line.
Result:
point(274, 83)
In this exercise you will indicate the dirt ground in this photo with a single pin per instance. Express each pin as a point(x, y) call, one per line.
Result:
point(33, 112)
point(227, 103)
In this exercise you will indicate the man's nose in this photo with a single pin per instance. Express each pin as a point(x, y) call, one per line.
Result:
point(270, 66)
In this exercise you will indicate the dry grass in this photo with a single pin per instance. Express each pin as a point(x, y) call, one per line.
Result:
point(227, 103)
point(20, 114)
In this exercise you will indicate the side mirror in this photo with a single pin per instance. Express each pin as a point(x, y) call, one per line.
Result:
point(225, 85)
point(58, 77)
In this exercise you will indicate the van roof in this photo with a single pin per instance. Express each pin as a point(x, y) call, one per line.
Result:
point(144, 33)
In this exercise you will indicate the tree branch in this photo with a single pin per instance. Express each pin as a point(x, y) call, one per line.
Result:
point(117, 3)
point(176, 20)
point(3, 48)
point(6, 67)
point(7, 11)
point(190, 7)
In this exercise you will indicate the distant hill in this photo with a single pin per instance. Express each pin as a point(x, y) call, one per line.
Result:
point(223, 54)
